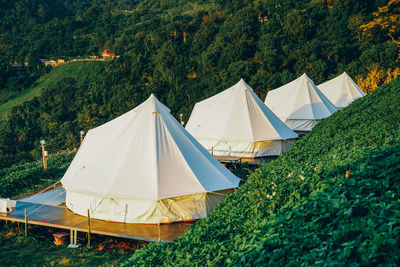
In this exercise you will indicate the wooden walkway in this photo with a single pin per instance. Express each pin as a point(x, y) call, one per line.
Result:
point(61, 217)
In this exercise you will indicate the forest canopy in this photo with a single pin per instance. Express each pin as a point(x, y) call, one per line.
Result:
point(182, 51)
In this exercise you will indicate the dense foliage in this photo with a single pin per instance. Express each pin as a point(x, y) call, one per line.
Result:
point(356, 221)
point(300, 208)
point(55, 116)
point(182, 51)
point(30, 177)
point(81, 72)
point(14, 81)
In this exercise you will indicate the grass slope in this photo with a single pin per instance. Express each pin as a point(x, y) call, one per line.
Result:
point(28, 178)
point(354, 222)
point(278, 217)
point(80, 71)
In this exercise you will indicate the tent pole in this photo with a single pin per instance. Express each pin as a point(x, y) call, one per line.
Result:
point(88, 213)
point(26, 223)
point(159, 232)
point(159, 219)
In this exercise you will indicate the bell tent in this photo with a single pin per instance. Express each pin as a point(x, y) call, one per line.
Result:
point(236, 122)
point(300, 104)
point(144, 167)
point(341, 91)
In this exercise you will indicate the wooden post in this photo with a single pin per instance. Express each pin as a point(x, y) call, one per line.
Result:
point(82, 133)
point(184, 37)
point(181, 118)
point(88, 214)
point(44, 158)
point(212, 150)
point(26, 223)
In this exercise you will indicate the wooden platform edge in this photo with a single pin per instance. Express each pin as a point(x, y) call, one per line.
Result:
point(80, 229)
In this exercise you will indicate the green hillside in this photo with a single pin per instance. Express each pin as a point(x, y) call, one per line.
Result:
point(182, 52)
point(300, 209)
point(80, 71)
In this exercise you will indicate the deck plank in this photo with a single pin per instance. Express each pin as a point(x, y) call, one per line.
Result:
point(62, 217)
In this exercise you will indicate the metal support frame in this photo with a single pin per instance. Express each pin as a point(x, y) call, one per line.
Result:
point(73, 239)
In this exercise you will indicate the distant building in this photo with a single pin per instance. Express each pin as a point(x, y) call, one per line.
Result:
point(107, 54)
point(50, 63)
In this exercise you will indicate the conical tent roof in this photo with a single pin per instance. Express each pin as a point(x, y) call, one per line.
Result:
point(236, 114)
point(341, 91)
point(299, 100)
point(144, 154)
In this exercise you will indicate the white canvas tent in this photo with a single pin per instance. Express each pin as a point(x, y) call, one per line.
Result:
point(144, 167)
point(341, 91)
point(300, 104)
point(236, 122)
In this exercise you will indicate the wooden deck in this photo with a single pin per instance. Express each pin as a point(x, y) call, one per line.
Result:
point(237, 161)
point(258, 161)
point(228, 159)
point(61, 217)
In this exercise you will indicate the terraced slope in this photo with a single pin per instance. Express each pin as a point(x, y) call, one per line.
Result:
point(80, 71)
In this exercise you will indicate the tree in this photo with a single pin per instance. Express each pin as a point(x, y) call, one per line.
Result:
point(385, 23)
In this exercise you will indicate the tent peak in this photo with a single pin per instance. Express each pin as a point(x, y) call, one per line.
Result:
point(152, 98)
point(156, 105)
point(344, 74)
point(341, 90)
point(240, 85)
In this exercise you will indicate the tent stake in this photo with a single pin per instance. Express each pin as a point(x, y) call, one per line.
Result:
point(88, 213)
point(26, 223)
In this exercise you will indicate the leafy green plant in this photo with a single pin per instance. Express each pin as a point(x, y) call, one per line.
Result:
point(28, 178)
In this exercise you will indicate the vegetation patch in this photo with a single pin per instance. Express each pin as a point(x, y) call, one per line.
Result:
point(80, 71)
point(39, 250)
